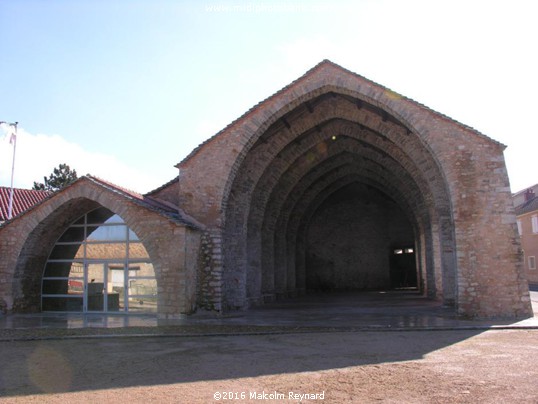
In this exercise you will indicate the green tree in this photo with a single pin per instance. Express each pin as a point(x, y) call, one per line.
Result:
point(59, 178)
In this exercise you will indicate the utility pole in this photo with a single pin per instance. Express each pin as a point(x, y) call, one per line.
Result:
point(12, 140)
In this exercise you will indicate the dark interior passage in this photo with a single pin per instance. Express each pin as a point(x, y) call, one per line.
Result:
point(351, 240)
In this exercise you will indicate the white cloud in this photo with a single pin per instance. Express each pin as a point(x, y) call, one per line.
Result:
point(37, 155)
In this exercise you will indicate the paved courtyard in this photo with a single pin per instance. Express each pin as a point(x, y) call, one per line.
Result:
point(321, 359)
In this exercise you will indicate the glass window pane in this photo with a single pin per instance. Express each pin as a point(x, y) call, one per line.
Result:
point(63, 269)
point(114, 302)
point(99, 216)
point(114, 219)
point(137, 251)
point(77, 270)
point(55, 287)
point(133, 236)
point(62, 304)
point(96, 277)
point(72, 234)
point(143, 304)
point(76, 286)
point(106, 251)
point(141, 269)
point(147, 287)
point(96, 302)
point(65, 252)
point(81, 220)
point(108, 233)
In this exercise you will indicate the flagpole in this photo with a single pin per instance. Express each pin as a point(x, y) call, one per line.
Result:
point(10, 209)
point(13, 139)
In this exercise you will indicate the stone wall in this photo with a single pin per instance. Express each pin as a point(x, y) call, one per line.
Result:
point(351, 239)
point(529, 244)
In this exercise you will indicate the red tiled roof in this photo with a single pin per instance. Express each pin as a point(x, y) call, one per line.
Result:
point(23, 199)
point(149, 202)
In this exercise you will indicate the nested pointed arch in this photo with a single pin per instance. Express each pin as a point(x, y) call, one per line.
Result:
point(345, 157)
point(341, 157)
point(295, 152)
point(290, 270)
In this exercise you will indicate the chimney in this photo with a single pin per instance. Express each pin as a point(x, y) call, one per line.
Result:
point(529, 194)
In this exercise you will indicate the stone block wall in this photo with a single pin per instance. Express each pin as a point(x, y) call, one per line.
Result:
point(351, 240)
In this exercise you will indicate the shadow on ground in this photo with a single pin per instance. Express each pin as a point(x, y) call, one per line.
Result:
point(360, 335)
point(53, 366)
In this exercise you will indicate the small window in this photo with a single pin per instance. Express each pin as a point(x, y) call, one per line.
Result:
point(399, 251)
point(519, 228)
point(535, 224)
point(532, 262)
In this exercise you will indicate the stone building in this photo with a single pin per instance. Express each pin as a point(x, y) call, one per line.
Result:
point(333, 183)
point(526, 203)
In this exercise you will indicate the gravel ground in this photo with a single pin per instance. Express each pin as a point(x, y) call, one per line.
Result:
point(443, 366)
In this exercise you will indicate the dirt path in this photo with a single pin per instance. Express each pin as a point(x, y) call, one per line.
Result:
point(410, 367)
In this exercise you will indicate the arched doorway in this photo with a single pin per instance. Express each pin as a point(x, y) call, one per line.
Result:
point(336, 167)
point(99, 265)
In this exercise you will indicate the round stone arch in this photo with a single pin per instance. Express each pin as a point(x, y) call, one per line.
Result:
point(48, 221)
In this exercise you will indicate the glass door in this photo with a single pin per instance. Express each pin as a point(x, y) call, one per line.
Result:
point(101, 293)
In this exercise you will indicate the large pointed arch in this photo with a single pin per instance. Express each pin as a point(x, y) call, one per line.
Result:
point(427, 163)
point(302, 144)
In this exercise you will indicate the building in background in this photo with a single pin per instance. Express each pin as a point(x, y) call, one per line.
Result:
point(527, 226)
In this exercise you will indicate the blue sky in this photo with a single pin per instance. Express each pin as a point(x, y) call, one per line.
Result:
point(125, 89)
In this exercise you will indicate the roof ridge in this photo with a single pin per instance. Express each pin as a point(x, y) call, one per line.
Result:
point(320, 65)
point(525, 189)
point(253, 108)
point(166, 184)
point(527, 206)
point(419, 104)
point(115, 186)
